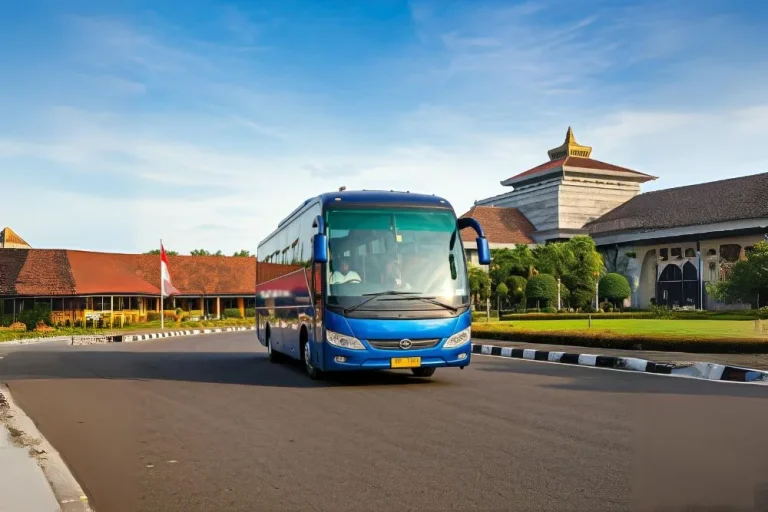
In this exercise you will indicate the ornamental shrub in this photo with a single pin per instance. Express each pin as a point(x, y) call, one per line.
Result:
point(541, 290)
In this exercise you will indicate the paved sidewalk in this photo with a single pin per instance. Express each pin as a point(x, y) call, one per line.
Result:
point(23, 485)
point(756, 361)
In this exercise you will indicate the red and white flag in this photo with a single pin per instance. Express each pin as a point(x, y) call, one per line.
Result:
point(165, 276)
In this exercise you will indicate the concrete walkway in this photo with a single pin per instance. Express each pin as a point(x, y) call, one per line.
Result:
point(23, 485)
point(755, 361)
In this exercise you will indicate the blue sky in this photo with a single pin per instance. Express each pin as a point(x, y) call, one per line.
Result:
point(204, 123)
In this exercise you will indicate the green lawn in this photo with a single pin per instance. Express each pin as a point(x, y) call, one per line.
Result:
point(701, 328)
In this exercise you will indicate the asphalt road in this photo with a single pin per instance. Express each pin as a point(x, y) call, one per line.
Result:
point(207, 423)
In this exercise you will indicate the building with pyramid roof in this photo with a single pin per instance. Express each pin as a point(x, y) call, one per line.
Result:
point(668, 243)
point(10, 240)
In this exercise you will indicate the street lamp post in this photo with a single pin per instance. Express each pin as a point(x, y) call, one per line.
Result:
point(597, 298)
point(701, 281)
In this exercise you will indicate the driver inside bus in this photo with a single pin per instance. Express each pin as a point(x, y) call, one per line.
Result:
point(345, 274)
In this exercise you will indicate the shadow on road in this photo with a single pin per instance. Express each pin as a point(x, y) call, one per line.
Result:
point(245, 368)
point(599, 380)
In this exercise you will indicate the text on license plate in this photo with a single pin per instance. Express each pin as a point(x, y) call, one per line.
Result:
point(405, 362)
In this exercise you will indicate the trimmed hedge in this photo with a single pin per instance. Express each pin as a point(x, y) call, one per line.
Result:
point(573, 316)
point(603, 339)
point(250, 312)
point(613, 287)
point(748, 314)
point(232, 313)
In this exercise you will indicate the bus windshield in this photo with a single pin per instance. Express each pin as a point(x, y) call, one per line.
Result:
point(414, 252)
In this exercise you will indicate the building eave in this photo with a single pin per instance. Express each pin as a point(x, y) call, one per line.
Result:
point(613, 238)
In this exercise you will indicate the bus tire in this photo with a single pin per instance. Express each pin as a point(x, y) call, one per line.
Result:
point(274, 355)
point(306, 357)
point(423, 372)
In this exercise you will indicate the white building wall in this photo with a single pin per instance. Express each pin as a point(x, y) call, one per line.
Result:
point(538, 202)
point(643, 278)
point(581, 200)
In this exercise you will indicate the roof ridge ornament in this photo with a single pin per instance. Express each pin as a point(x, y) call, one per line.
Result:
point(569, 148)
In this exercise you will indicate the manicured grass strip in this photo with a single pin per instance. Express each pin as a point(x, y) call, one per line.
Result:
point(607, 339)
point(694, 328)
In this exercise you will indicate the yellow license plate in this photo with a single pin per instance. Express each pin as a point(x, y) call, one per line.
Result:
point(405, 362)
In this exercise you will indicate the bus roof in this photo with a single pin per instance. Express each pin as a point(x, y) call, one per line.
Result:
point(382, 197)
point(366, 197)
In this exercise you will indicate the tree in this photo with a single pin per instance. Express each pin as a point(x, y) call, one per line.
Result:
point(542, 288)
point(507, 262)
point(747, 279)
point(587, 264)
point(556, 259)
point(501, 293)
point(242, 254)
point(516, 290)
point(479, 284)
point(157, 251)
point(203, 252)
point(614, 287)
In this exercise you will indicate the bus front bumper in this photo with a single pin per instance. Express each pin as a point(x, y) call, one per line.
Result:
point(374, 359)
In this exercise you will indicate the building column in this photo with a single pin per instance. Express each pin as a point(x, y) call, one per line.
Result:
point(201, 306)
point(218, 308)
point(241, 306)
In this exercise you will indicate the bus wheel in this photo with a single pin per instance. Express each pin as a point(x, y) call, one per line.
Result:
point(306, 356)
point(423, 372)
point(274, 355)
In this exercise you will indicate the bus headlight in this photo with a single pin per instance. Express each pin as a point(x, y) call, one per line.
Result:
point(343, 341)
point(459, 338)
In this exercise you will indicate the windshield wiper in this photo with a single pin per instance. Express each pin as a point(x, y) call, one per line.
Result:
point(372, 296)
point(431, 300)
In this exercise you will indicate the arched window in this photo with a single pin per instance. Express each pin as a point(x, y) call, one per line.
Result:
point(671, 273)
point(689, 272)
point(711, 252)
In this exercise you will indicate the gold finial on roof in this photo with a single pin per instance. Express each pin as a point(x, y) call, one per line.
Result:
point(569, 148)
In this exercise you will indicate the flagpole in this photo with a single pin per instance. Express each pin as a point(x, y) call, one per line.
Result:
point(162, 288)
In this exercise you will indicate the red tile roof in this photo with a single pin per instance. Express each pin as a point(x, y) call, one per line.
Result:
point(210, 275)
point(577, 162)
point(546, 166)
point(45, 272)
point(102, 273)
point(501, 225)
point(49, 272)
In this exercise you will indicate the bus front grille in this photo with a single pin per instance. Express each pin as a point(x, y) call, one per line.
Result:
point(395, 344)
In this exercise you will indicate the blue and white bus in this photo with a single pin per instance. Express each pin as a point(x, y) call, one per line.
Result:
point(365, 280)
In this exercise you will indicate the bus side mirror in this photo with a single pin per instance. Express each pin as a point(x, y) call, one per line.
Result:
point(483, 251)
point(320, 241)
point(320, 248)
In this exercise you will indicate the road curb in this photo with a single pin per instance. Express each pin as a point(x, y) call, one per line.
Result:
point(65, 488)
point(128, 338)
point(705, 371)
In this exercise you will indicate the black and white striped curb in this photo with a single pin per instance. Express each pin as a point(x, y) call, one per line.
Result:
point(708, 371)
point(127, 338)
